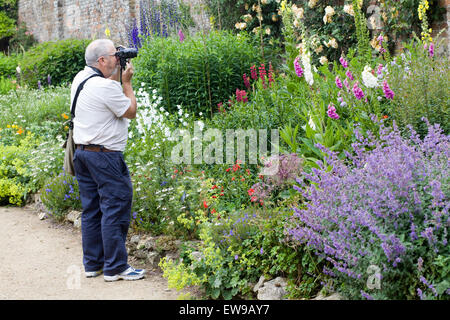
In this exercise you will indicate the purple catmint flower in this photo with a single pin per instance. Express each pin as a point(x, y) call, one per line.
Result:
point(298, 68)
point(332, 112)
point(357, 210)
point(357, 91)
point(338, 82)
point(343, 62)
point(366, 295)
point(349, 75)
point(420, 293)
point(39, 84)
point(388, 93)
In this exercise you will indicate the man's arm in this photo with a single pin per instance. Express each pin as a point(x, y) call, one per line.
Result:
point(128, 91)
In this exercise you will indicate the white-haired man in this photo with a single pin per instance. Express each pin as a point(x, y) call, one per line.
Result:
point(100, 132)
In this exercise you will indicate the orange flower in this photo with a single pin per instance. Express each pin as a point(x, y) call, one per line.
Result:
point(20, 131)
point(65, 116)
point(385, 117)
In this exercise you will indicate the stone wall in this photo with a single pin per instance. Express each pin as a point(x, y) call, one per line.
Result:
point(88, 19)
point(62, 19)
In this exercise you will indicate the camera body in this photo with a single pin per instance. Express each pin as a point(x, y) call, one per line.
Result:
point(124, 54)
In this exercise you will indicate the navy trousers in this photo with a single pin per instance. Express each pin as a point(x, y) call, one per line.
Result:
point(106, 194)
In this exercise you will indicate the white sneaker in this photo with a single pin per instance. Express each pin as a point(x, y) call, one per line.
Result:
point(92, 274)
point(129, 274)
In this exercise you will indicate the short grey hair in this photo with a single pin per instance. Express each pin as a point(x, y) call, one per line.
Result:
point(96, 49)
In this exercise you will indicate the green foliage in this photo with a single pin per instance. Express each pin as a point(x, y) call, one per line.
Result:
point(197, 73)
point(8, 65)
point(62, 60)
point(15, 180)
point(61, 194)
point(237, 250)
point(422, 87)
point(7, 25)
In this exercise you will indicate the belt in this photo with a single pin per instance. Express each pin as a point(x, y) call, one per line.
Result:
point(94, 148)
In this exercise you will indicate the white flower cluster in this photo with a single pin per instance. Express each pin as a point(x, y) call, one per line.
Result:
point(150, 116)
point(306, 61)
point(369, 80)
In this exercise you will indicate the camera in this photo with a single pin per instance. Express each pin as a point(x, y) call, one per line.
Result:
point(124, 54)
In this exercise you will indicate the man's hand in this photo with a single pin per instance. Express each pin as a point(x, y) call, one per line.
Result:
point(128, 91)
point(128, 73)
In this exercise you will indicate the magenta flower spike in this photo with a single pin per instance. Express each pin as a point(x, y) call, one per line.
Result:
point(181, 35)
point(343, 62)
point(298, 68)
point(388, 93)
point(338, 82)
point(332, 112)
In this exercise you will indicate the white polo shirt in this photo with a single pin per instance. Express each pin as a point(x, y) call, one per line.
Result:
point(98, 113)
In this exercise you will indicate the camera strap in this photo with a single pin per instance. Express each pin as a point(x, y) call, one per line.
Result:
point(97, 71)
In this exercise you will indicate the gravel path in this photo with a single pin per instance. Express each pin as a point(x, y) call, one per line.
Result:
point(43, 260)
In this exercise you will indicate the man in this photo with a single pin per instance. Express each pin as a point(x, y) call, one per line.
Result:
point(100, 133)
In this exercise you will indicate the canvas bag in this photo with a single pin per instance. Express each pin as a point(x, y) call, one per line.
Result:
point(69, 144)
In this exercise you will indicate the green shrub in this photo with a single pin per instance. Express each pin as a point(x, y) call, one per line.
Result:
point(422, 87)
point(8, 65)
point(198, 73)
point(15, 181)
point(61, 194)
point(42, 112)
point(60, 59)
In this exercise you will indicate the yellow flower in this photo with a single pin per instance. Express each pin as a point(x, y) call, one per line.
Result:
point(107, 33)
point(8, 126)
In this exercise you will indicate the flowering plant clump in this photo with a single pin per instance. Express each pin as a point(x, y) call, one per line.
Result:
point(384, 209)
point(283, 170)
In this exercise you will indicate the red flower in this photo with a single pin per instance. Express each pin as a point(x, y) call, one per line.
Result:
point(270, 73)
point(253, 199)
point(228, 170)
point(205, 205)
point(253, 72)
point(251, 191)
point(246, 81)
point(213, 210)
point(213, 187)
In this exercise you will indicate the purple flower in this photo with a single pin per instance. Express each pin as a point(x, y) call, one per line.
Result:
point(236, 257)
point(357, 210)
point(39, 84)
point(338, 82)
point(431, 50)
point(420, 294)
point(332, 112)
point(261, 251)
point(49, 79)
point(380, 69)
point(343, 62)
point(349, 75)
point(388, 93)
point(298, 68)
point(181, 35)
point(357, 91)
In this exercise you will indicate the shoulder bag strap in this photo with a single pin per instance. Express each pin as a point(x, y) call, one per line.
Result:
point(80, 87)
